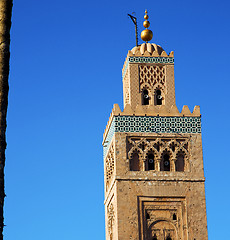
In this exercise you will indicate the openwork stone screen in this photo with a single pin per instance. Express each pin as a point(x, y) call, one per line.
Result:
point(147, 60)
point(109, 165)
point(152, 75)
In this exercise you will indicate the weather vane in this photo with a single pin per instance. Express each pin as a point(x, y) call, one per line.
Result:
point(134, 19)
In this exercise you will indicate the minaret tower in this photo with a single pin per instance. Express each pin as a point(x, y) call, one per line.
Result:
point(153, 163)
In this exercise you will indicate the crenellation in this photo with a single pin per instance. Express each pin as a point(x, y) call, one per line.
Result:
point(151, 110)
point(186, 111)
point(171, 54)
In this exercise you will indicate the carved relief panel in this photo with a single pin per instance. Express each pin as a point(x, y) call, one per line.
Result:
point(110, 220)
point(163, 218)
point(109, 165)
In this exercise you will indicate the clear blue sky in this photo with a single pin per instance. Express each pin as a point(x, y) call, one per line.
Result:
point(66, 61)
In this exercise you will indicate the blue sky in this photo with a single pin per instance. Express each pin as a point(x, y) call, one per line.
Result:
point(66, 61)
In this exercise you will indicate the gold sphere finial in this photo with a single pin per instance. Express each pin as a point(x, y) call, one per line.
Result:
point(146, 35)
point(146, 15)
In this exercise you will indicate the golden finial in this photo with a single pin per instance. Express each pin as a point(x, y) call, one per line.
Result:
point(146, 35)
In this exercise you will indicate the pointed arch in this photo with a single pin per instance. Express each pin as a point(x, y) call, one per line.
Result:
point(134, 162)
point(166, 149)
point(135, 159)
point(145, 86)
point(143, 142)
point(135, 149)
point(158, 86)
point(158, 144)
point(150, 162)
point(182, 149)
point(180, 163)
point(173, 144)
point(150, 149)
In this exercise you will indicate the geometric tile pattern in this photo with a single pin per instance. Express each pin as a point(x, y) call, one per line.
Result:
point(151, 59)
point(157, 124)
point(154, 124)
point(108, 138)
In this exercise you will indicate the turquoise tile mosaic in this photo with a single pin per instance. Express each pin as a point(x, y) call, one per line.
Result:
point(108, 138)
point(147, 60)
point(151, 59)
point(126, 66)
point(148, 124)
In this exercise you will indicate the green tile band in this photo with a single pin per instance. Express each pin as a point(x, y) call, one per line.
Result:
point(148, 124)
point(151, 59)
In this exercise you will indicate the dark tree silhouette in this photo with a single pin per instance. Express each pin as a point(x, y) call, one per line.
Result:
point(5, 24)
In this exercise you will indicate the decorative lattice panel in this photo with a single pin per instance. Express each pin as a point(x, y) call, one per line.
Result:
point(109, 164)
point(151, 75)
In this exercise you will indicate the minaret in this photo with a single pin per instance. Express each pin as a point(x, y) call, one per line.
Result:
point(153, 161)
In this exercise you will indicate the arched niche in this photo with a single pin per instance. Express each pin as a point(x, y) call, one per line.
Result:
point(150, 161)
point(162, 229)
point(179, 164)
point(134, 162)
point(165, 162)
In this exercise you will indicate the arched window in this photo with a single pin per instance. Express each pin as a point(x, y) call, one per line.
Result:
point(134, 162)
point(158, 97)
point(150, 162)
point(165, 163)
point(168, 238)
point(145, 97)
point(180, 163)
